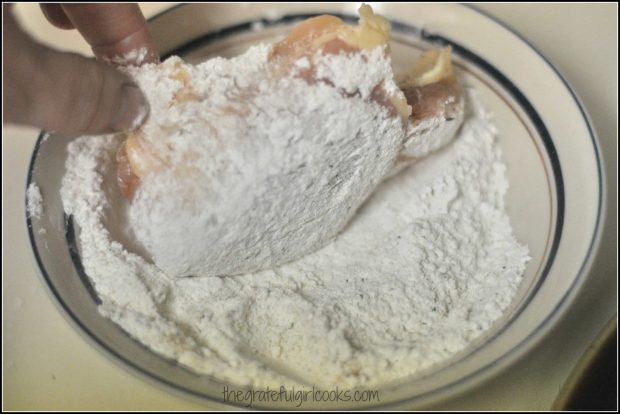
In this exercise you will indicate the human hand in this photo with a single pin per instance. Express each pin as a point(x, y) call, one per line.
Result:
point(68, 93)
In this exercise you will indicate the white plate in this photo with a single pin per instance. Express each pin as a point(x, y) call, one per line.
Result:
point(554, 201)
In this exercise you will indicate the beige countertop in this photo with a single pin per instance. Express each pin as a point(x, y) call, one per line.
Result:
point(48, 365)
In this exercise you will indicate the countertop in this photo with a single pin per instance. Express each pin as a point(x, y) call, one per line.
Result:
point(47, 365)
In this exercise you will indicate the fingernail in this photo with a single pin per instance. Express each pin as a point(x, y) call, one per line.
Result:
point(133, 109)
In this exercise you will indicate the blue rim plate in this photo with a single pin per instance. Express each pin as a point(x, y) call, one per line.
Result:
point(555, 201)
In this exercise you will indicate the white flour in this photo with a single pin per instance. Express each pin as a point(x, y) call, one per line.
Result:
point(34, 201)
point(133, 57)
point(426, 266)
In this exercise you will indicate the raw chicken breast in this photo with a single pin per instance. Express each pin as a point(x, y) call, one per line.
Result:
point(249, 163)
point(437, 102)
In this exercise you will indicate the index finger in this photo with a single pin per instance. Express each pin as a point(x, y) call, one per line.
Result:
point(116, 32)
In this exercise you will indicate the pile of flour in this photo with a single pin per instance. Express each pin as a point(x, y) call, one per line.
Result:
point(426, 266)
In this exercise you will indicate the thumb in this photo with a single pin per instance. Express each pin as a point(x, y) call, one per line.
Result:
point(65, 92)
